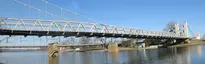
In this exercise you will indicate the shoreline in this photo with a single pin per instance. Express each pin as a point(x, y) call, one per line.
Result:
point(192, 43)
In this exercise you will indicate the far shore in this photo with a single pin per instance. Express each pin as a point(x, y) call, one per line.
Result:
point(192, 42)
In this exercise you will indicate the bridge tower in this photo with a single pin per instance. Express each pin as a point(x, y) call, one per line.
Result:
point(177, 29)
point(186, 33)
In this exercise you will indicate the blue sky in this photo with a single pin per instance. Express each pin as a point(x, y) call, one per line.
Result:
point(146, 14)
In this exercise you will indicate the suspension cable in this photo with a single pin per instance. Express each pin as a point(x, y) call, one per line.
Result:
point(89, 18)
point(71, 11)
point(38, 9)
point(190, 30)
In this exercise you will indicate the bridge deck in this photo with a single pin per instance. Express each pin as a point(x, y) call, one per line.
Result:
point(79, 34)
point(36, 27)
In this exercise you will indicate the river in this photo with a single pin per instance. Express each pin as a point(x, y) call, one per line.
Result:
point(180, 55)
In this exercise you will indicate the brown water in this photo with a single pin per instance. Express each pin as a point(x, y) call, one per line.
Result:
point(180, 55)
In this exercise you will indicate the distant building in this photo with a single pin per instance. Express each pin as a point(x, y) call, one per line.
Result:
point(197, 36)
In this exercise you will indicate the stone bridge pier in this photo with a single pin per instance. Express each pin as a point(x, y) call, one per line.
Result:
point(113, 47)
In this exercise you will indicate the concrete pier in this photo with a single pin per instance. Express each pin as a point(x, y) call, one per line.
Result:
point(113, 47)
point(52, 53)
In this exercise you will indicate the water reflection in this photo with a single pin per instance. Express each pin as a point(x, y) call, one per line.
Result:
point(179, 55)
point(114, 57)
point(198, 50)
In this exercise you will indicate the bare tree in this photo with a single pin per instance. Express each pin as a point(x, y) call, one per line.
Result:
point(103, 40)
point(84, 40)
point(203, 36)
point(72, 40)
point(170, 27)
point(1, 26)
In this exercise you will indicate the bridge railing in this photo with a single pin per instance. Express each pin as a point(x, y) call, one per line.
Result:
point(74, 26)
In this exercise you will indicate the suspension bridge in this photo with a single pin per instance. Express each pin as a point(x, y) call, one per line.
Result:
point(27, 18)
point(27, 27)
point(15, 26)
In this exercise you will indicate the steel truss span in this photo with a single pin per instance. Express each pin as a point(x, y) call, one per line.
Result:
point(37, 27)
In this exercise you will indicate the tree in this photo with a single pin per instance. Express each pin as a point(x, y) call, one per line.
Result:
point(103, 40)
point(170, 27)
point(129, 43)
point(203, 36)
point(153, 41)
point(84, 40)
point(1, 26)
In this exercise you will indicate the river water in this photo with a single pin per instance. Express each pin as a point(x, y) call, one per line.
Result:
point(180, 55)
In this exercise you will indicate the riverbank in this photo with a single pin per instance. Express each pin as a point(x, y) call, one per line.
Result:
point(192, 42)
point(124, 48)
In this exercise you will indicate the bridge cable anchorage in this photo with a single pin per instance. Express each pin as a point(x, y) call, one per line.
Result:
point(77, 14)
point(40, 10)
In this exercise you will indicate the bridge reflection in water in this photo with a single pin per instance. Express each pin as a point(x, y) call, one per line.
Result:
point(179, 55)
